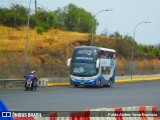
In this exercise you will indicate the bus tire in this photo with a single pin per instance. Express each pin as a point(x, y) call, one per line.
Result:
point(75, 86)
point(109, 83)
point(99, 84)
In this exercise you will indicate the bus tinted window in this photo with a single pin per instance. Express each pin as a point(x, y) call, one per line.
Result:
point(106, 55)
point(103, 54)
point(106, 70)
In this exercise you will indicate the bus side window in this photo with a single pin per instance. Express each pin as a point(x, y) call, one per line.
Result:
point(102, 54)
point(107, 55)
point(105, 70)
point(114, 56)
point(111, 55)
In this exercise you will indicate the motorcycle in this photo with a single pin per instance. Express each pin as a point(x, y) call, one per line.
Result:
point(31, 82)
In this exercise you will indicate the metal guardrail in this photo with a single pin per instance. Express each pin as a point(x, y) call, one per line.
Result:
point(5, 83)
point(10, 83)
point(11, 80)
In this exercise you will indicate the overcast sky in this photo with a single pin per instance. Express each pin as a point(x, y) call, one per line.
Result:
point(125, 16)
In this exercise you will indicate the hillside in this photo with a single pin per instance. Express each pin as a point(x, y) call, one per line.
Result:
point(53, 48)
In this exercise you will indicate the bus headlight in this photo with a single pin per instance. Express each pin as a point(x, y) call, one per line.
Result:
point(91, 81)
point(73, 79)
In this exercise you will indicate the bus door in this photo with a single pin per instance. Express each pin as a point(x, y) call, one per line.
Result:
point(105, 67)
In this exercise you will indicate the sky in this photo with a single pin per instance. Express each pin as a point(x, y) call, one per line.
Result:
point(124, 18)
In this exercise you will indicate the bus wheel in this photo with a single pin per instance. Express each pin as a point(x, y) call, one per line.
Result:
point(76, 86)
point(110, 83)
point(99, 84)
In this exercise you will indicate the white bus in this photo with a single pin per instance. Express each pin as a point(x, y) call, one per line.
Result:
point(92, 66)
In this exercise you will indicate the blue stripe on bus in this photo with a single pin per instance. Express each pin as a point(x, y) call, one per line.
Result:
point(85, 82)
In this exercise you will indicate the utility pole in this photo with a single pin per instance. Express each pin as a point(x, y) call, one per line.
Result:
point(26, 50)
point(35, 7)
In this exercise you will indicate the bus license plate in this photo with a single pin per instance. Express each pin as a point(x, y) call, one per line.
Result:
point(82, 82)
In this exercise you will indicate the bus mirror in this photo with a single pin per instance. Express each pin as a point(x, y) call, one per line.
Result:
point(69, 62)
point(97, 63)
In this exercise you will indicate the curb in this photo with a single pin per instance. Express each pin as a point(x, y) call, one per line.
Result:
point(58, 84)
point(137, 80)
point(117, 81)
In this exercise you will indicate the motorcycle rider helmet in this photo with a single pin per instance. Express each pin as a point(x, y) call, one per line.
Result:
point(33, 71)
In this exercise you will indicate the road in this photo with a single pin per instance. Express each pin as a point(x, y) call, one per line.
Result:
point(68, 98)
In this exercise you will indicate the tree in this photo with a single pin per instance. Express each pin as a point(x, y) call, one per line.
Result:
point(60, 18)
point(20, 12)
point(12, 20)
point(73, 18)
point(105, 32)
point(157, 50)
point(33, 22)
point(15, 16)
point(3, 12)
point(45, 19)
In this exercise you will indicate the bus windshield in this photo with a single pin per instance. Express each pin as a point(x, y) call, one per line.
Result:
point(84, 69)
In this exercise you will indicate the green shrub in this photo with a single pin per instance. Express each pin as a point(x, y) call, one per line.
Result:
point(46, 27)
point(39, 30)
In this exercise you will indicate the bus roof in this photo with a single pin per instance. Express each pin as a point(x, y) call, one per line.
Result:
point(107, 49)
point(98, 48)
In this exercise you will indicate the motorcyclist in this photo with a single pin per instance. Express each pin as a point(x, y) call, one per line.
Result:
point(35, 80)
point(34, 73)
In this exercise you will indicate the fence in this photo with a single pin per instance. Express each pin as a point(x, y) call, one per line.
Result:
point(14, 72)
point(146, 70)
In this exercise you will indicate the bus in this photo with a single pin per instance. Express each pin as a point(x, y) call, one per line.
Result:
point(92, 66)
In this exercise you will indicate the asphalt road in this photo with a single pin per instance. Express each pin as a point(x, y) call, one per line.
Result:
point(68, 98)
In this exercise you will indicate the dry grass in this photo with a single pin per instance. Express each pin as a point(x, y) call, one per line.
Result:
point(42, 48)
point(14, 41)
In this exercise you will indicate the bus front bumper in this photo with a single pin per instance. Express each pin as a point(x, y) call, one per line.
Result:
point(84, 82)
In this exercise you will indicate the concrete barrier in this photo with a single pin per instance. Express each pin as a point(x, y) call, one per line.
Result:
point(42, 82)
